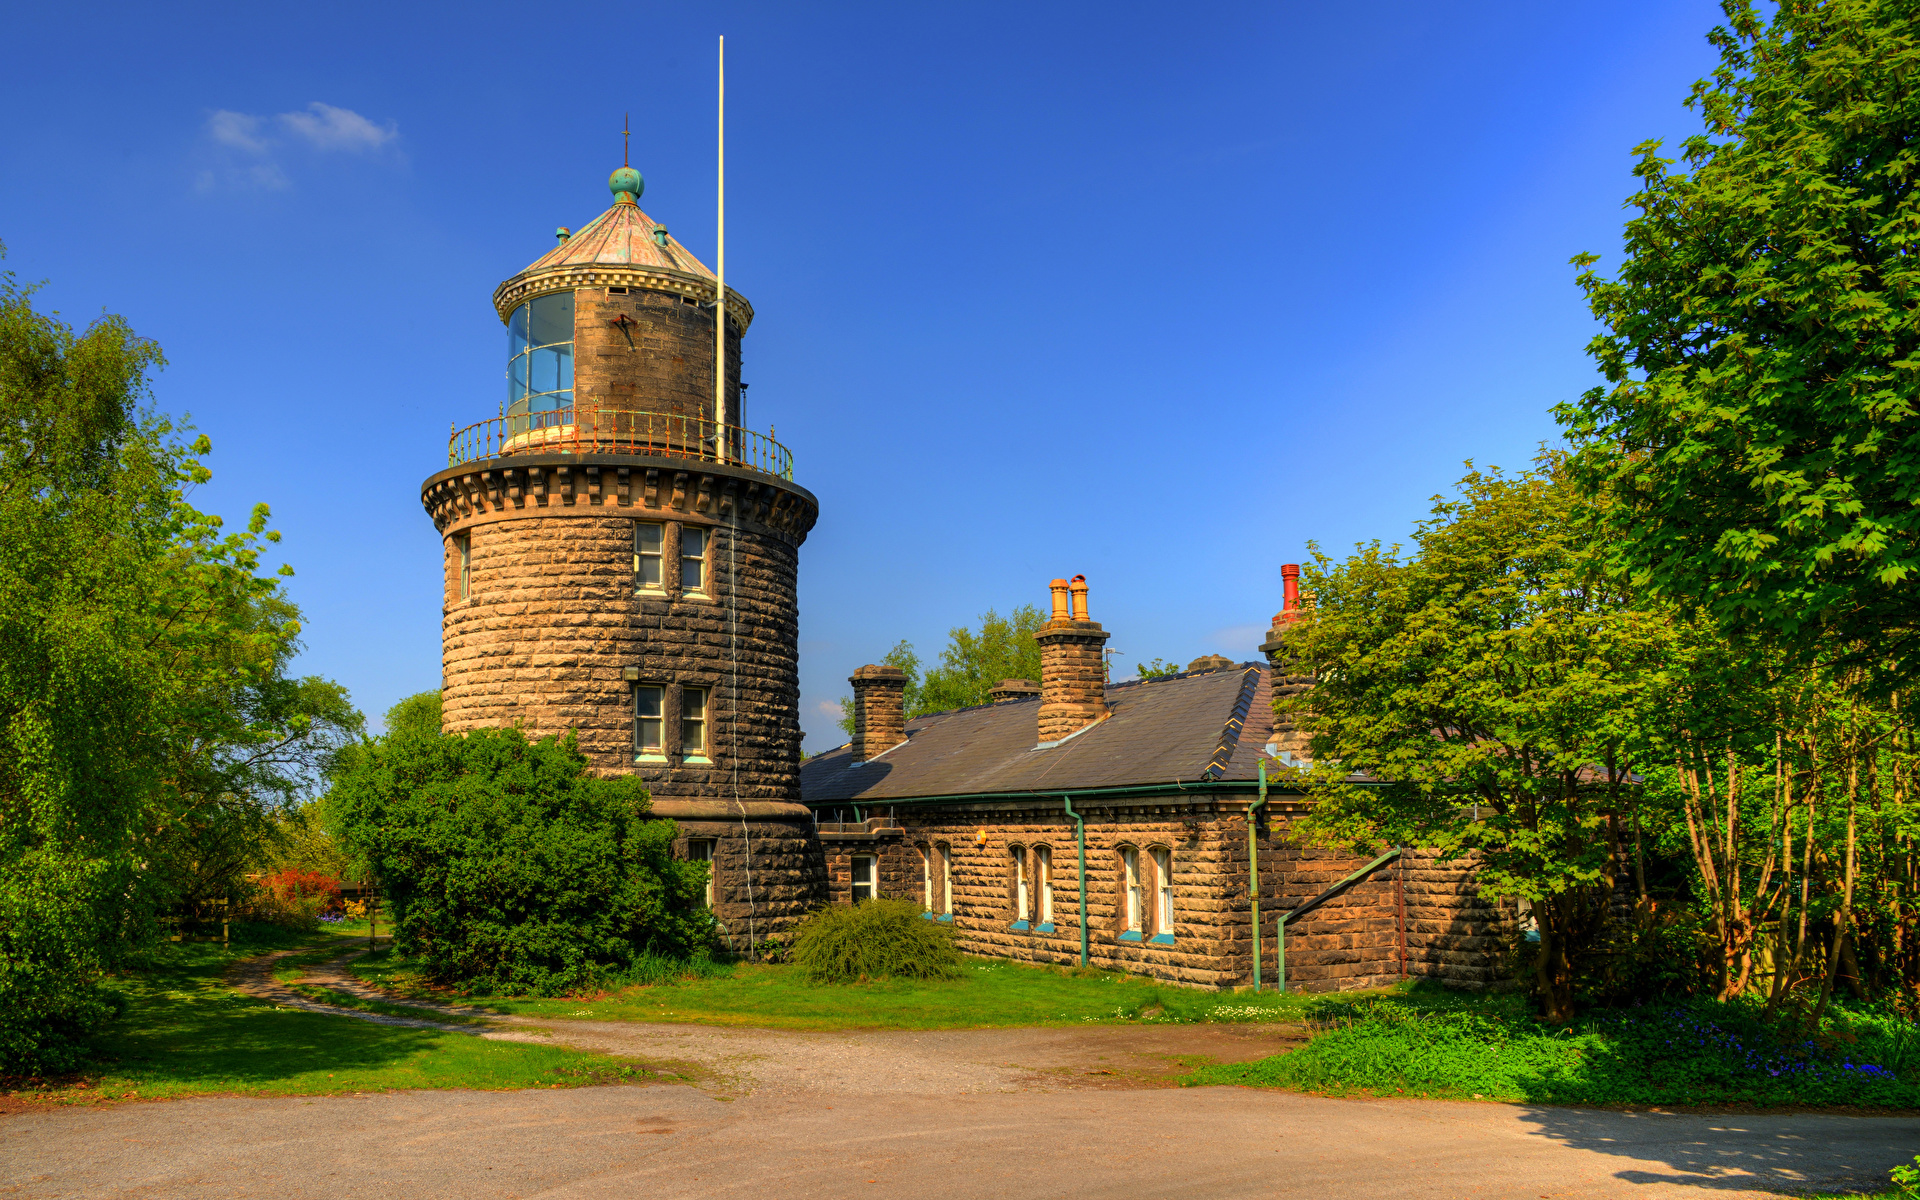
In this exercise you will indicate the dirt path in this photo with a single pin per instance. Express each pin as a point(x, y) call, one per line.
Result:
point(668, 1142)
point(785, 1062)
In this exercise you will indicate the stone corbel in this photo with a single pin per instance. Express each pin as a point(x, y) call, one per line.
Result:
point(566, 484)
point(679, 501)
point(728, 496)
point(491, 482)
point(625, 486)
point(653, 487)
point(593, 485)
point(704, 501)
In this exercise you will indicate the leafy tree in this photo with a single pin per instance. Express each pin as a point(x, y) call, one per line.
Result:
point(1760, 443)
point(1489, 688)
point(418, 713)
point(1157, 669)
point(510, 868)
point(140, 667)
point(972, 663)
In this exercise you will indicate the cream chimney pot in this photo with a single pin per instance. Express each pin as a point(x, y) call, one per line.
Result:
point(1060, 610)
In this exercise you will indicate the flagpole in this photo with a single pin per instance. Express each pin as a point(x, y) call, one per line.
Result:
point(720, 276)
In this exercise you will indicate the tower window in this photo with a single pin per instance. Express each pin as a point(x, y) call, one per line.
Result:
point(693, 559)
point(693, 724)
point(539, 361)
point(649, 543)
point(613, 291)
point(650, 721)
point(463, 544)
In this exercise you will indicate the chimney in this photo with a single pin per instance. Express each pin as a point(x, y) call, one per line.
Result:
point(1288, 679)
point(1073, 669)
point(1013, 689)
point(879, 710)
point(1210, 662)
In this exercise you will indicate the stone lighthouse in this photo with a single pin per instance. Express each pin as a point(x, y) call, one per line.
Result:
point(621, 550)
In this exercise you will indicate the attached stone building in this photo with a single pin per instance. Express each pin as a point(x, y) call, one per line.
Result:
point(620, 555)
point(1078, 821)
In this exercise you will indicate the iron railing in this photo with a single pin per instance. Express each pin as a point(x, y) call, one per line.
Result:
point(596, 430)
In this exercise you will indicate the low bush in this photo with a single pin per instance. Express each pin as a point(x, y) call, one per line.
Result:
point(1692, 1053)
point(880, 939)
point(509, 869)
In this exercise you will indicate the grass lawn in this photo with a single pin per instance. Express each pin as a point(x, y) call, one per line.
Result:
point(992, 993)
point(186, 1033)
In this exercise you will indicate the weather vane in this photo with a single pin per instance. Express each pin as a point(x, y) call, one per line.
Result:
point(624, 132)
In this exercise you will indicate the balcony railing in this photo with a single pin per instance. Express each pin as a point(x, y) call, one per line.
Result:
point(594, 430)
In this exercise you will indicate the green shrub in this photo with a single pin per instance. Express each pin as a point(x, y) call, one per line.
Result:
point(879, 939)
point(509, 869)
point(1698, 1052)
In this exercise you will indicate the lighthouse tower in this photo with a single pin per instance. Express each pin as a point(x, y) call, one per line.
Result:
point(621, 552)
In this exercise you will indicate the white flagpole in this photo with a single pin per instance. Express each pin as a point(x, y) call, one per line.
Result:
point(720, 279)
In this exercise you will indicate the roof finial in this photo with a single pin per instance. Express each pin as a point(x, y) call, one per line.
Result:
point(624, 132)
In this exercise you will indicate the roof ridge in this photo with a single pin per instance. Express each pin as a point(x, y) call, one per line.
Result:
point(1236, 720)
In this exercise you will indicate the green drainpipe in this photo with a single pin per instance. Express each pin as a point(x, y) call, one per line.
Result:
point(1253, 881)
point(1080, 839)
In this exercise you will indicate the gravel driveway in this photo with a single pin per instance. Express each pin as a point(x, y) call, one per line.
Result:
point(953, 1114)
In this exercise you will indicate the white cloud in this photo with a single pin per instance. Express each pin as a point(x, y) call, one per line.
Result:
point(239, 130)
point(246, 146)
point(330, 128)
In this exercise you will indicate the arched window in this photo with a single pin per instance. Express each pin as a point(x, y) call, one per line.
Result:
point(926, 876)
point(539, 360)
point(946, 880)
point(1017, 856)
point(1130, 893)
point(1162, 893)
point(1043, 882)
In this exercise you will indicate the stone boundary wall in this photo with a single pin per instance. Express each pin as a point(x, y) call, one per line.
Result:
point(1353, 941)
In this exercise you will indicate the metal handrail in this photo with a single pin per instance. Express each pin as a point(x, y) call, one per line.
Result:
point(592, 429)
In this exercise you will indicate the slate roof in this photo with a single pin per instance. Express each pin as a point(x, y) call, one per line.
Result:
point(620, 236)
point(1182, 729)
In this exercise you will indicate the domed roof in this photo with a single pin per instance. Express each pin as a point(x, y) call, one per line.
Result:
point(621, 236)
point(622, 247)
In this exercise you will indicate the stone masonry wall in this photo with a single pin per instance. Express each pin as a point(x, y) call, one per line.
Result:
point(786, 881)
point(660, 359)
point(553, 618)
point(1351, 942)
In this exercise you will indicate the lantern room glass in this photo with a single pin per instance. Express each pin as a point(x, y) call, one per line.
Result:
point(540, 357)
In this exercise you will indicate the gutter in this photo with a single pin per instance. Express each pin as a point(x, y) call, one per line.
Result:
point(1253, 877)
point(1080, 841)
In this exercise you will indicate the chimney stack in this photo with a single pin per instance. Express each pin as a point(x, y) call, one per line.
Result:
point(879, 710)
point(1073, 669)
point(1288, 679)
point(1013, 689)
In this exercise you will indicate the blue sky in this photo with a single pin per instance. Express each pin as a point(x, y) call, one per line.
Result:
point(1152, 293)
